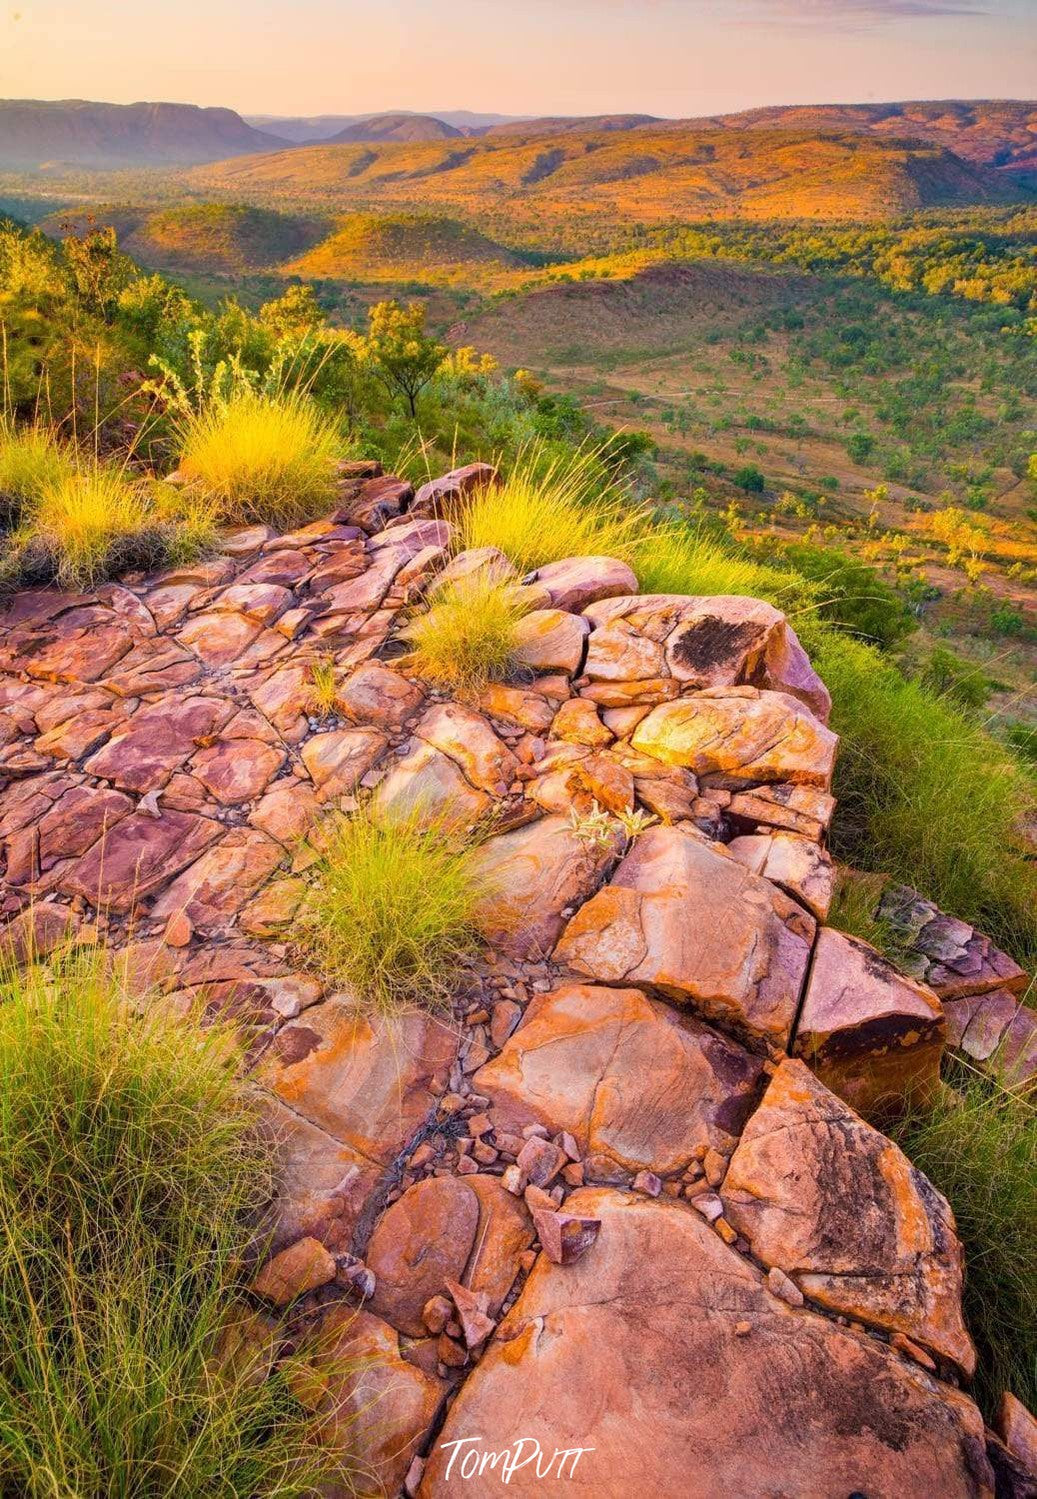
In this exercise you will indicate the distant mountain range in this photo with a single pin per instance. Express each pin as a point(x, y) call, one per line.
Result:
point(36, 134)
point(47, 136)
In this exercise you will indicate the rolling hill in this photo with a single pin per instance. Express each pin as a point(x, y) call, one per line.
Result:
point(36, 133)
point(399, 247)
point(661, 174)
point(308, 129)
point(396, 127)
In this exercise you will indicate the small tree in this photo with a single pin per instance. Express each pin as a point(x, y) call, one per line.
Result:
point(98, 269)
point(403, 356)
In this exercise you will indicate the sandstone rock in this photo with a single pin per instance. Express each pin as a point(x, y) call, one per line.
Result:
point(1019, 1430)
point(476, 1326)
point(576, 582)
point(378, 501)
point(80, 647)
point(798, 809)
point(488, 564)
point(824, 1197)
point(375, 695)
point(470, 742)
point(286, 812)
point(512, 705)
point(722, 641)
point(156, 740)
point(741, 733)
point(565, 1238)
point(237, 770)
point(443, 496)
point(625, 1075)
point(536, 873)
point(618, 654)
point(656, 1306)
point(998, 1031)
point(577, 722)
point(428, 784)
point(217, 885)
point(136, 856)
point(795, 863)
point(337, 760)
point(550, 640)
point(302, 1267)
point(418, 1244)
point(873, 1036)
point(953, 958)
point(282, 696)
point(73, 823)
point(219, 638)
point(36, 932)
point(381, 1407)
point(682, 918)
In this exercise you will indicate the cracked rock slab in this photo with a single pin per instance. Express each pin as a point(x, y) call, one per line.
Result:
point(872, 1035)
point(829, 1200)
point(662, 1350)
point(683, 918)
point(743, 734)
point(625, 1075)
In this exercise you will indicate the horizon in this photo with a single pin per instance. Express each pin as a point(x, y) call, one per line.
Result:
point(670, 58)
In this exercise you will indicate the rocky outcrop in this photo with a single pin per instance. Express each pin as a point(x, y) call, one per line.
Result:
point(596, 1205)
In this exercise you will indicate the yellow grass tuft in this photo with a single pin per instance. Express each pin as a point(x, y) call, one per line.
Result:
point(263, 458)
point(467, 636)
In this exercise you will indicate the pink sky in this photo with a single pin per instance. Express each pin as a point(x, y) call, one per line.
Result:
point(668, 57)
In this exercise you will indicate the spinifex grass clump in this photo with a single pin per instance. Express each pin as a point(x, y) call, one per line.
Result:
point(979, 1147)
point(263, 458)
point(392, 908)
point(31, 460)
point(467, 635)
point(133, 1174)
point(549, 508)
point(676, 557)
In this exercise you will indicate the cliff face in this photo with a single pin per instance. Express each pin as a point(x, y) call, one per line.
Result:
point(626, 1198)
point(78, 132)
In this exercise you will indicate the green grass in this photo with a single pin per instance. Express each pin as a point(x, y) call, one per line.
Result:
point(31, 460)
point(926, 795)
point(549, 508)
point(133, 1173)
point(467, 635)
point(392, 909)
point(96, 520)
point(323, 685)
point(676, 557)
point(979, 1147)
point(263, 458)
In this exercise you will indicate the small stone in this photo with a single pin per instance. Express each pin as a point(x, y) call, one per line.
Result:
point(565, 1238)
point(179, 930)
point(436, 1313)
point(471, 1310)
point(536, 1197)
point(715, 1166)
point(450, 1352)
point(513, 1181)
point(648, 1183)
point(779, 1284)
point(743, 1329)
point(725, 1231)
point(708, 1204)
point(540, 1161)
point(412, 1482)
point(911, 1350)
point(503, 1020)
point(303, 1266)
point(479, 1124)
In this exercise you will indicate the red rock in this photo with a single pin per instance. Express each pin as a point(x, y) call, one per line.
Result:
point(657, 1305)
point(741, 733)
point(821, 1195)
point(303, 1266)
point(1019, 1429)
point(337, 760)
point(682, 918)
point(625, 1076)
point(36, 932)
point(871, 1035)
point(795, 863)
point(74, 822)
point(136, 856)
point(378, 501)
point(429, 784)
point(157, 740)
point(550, 640)
point(237, 770)
point(576, 582)
point(540, 1161)
point(577, 722)
point(443, 496)
point(471, 743)
point(536, 873)
point(217, 885)
point(286, 812)
point(471, 1313)
point(375, 695)
point(419, 1243)
point(80, 647)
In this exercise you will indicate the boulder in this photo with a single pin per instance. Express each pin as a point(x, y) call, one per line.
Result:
point(743, 734)
point(661, 1354)
point(1018, 1429)
point(429, 784)
point(795, 863)
point(471, 743)
point(825, 1198)
point(550, 640)
point(999, 1032)
point(626, 1076)
point(337, 760)
point(576, 582)
point(443, 496)
point(375, 695)
point(303, 1266)
point(684, 919)
point(872, 1035)
point(948, 954)
point(537, 874)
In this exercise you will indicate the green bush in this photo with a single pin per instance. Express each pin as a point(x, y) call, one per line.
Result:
point(133, 1173)
point(948, 676)
point(853, 595)
point(979, 1147)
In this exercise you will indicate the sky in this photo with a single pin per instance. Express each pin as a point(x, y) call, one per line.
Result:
point(664, 57)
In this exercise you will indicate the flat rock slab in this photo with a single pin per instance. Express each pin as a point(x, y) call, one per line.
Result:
point(743, 734)
point(625, 1075)
point(832, 1202)
point(872, 1035)
point(662, 1350)
point(537, 874)
point(999, 1032)
point(683, 918)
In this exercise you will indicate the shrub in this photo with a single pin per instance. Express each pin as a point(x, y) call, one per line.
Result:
point(551, 507)
point(979, 1147)
point(852, 595)
point(262, 458)
point(751, 479)
point(467, 635)
point(391, 911)
point(132, 1172)
point(31, 460)
point(925, 794)
point(948, 676)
